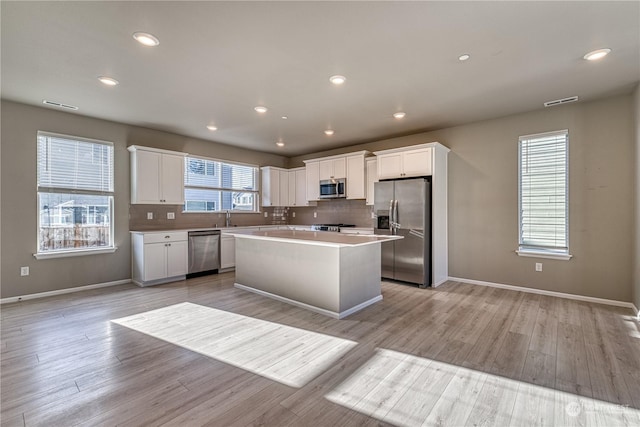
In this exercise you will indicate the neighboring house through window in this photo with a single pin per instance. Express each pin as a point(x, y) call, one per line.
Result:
point(543, 195)
point(75, 194)
point(215, 186)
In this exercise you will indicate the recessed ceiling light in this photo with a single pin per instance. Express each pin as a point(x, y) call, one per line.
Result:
point(337, 79)
point(464, 57)
point(284, 117)
point(597, 54)
point(399, 115)
point(212, 127)
point(146, 39)
point(261, 109)
point(280, 144)
point(329, 132)
point(108, 81)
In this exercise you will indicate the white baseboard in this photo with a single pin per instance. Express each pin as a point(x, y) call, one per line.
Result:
point(549, 293)
point(63, 291)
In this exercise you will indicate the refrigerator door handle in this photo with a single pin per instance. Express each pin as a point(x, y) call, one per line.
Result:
point(391, 220)
point(395, 214)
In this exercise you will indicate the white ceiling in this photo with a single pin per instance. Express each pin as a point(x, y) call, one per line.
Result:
point(217, 60)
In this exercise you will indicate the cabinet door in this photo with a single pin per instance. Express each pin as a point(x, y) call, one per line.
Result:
point(270, 187)
point(417, 162)
point(300, 177)
point(313, 180)
point(356, 184)
point(283, 191)
point(227, 252)
point(340, 168)
point(155, 261)
point(177, 258)
point(172, 179)
point(326, 169)
point(145, 182)
point(291, 175)
point(390, 166)
point(372, 178)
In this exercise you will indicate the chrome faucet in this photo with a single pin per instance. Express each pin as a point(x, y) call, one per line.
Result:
point(228, 221)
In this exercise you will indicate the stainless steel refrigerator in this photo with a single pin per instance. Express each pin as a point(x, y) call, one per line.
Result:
point(403, 207)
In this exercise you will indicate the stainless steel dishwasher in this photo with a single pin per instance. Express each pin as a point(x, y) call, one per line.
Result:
point(204, 252)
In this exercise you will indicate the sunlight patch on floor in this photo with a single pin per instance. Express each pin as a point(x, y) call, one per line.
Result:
point(405, 390)
point(282, 353)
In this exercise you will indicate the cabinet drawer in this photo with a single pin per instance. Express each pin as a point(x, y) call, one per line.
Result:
point(172, 236)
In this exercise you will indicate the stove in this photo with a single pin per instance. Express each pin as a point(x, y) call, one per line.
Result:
point(330, 227)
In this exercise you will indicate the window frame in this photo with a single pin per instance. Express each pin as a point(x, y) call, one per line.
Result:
point(541, 252)
point(222, 163)
point(42, 189)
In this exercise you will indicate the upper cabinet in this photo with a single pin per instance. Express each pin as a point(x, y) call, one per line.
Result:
point(350, 166)
point(372, 178)
point(157, 176)
point(298, 187)
point(312, 169)
point(405, 163)
point(333, 168)
point(275, 186)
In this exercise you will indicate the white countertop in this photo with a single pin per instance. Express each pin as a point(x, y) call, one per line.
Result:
point(314, 237)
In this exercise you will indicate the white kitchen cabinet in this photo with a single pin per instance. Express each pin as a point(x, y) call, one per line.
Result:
point(312, 169)
point(275, 186)
point(298, 187)
point(372, 178)
point(227, 251)
point(405, 163)
point(356, 177)
point(350, 166)
point(157, 176)
point(159, 257)
point(335, 167)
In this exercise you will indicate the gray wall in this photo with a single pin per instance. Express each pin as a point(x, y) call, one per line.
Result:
point(636, 253)
point(20, 124)
point(483, 204)
point(482, 197)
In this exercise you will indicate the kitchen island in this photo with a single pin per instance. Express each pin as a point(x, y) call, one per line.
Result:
point(329, 273)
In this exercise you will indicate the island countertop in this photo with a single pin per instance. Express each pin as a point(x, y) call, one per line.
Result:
point(322, 238)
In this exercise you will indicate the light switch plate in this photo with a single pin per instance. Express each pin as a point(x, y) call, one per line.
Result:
point(24, 271)
point(149, 215)
point(171, 215)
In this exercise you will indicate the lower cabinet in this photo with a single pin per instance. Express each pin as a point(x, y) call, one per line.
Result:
point(159, 257)
point(227, 252)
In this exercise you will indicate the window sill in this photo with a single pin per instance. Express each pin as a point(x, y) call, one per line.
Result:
point(542, 254)
point(67, 254)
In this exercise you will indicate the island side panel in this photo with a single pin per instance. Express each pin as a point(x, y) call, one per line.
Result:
point(298, 271)
point(359, 275)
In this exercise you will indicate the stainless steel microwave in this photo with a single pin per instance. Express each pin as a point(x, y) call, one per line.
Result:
point(333, 188)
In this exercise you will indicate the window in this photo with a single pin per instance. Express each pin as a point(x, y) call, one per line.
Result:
point(75, 194)
point(214, 186)
point(543, 195)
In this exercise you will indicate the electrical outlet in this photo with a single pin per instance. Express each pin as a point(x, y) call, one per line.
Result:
point(171, 215)
point(315, 214)
point(24, 271)
point(149, 215)
point(538, 266)
point(373, 215)
point(266, 214)
point(293, 214)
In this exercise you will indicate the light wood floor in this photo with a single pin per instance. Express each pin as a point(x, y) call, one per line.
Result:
point(457, 355)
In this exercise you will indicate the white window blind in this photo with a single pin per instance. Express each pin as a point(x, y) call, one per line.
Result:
point(75, 193)
point(543, 192)
point(213, 185)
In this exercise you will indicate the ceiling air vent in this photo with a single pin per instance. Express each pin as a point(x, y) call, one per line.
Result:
point(561, 101)
point(59, 105)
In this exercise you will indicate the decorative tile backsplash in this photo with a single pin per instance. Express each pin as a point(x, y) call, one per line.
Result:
point(327, 212)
